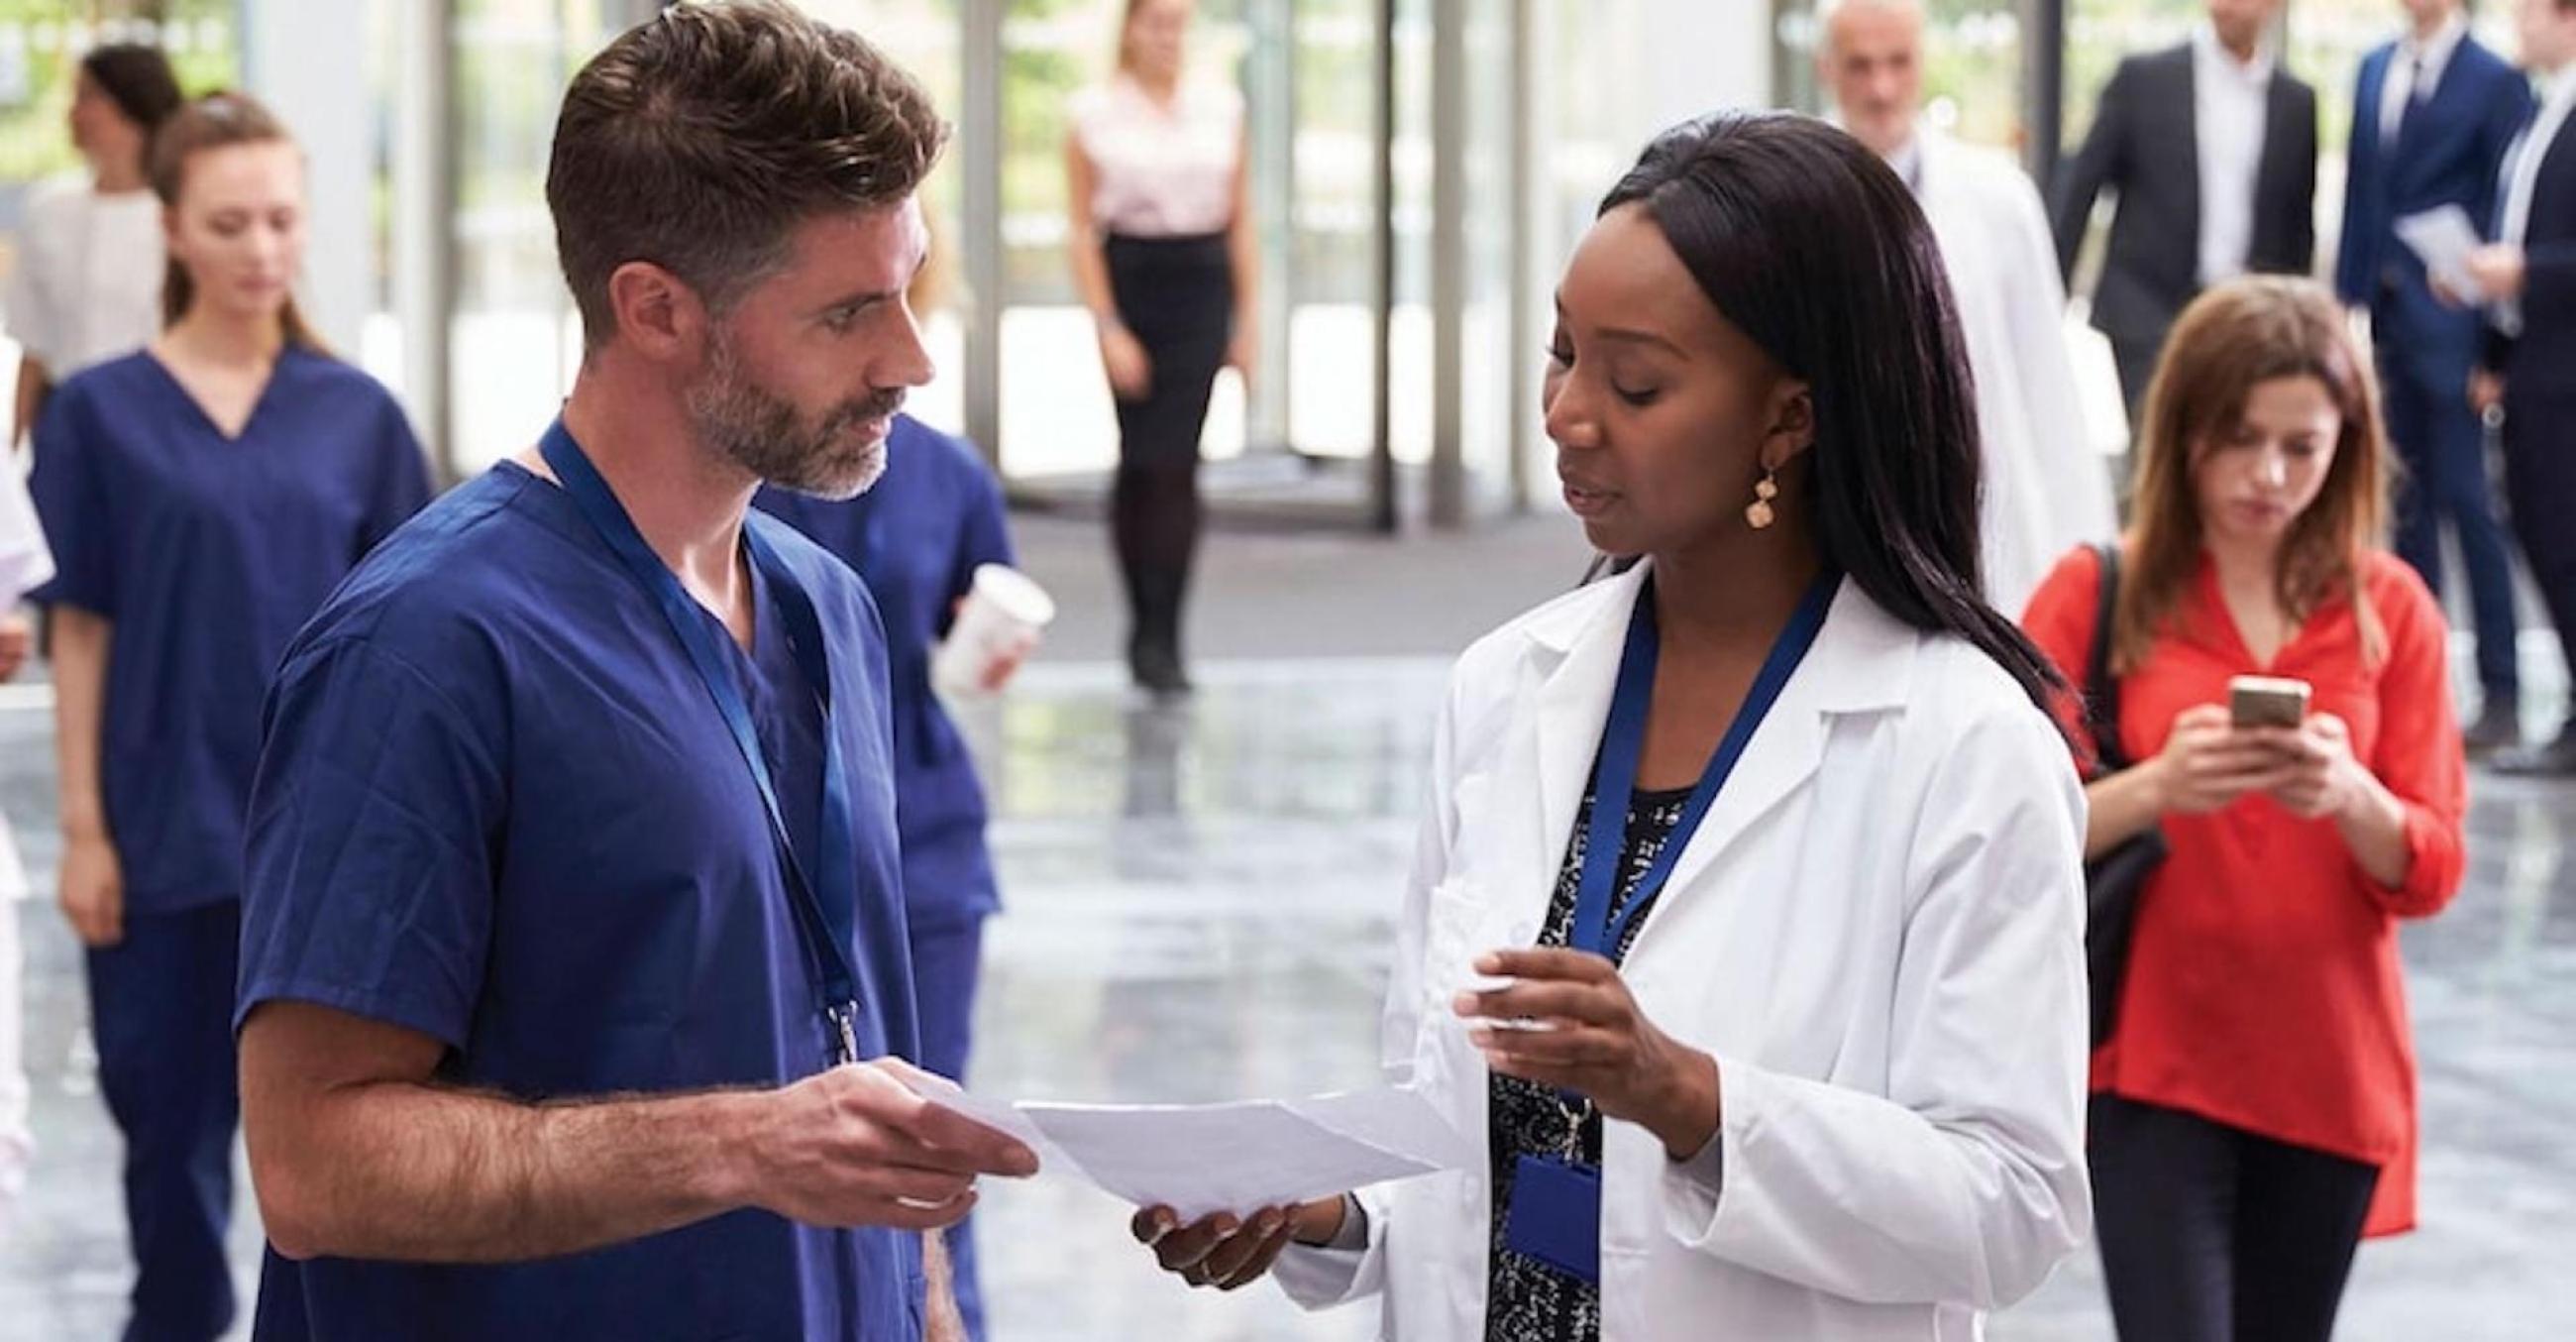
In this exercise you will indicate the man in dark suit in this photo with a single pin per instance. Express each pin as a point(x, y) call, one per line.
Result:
point(2212, 152)
point(2530, 357)
point(2432, 116)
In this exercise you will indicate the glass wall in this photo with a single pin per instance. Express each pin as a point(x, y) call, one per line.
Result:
point(924, 36)
point(514, 339)
point(1495, 122)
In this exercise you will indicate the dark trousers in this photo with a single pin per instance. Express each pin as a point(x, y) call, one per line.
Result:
point(947, 962)
point(2540, 493)
point(2212, 1234)
point(2135, 357)
point(1177, 296)
point(2443, 447)
point(161, 1006)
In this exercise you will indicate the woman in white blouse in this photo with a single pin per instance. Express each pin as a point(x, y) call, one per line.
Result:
point(1164, 255)
point(87, 284)
point(1745, 938)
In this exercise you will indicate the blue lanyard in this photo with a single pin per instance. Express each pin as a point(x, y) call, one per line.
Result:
point(1615, 783)
point(826, 909)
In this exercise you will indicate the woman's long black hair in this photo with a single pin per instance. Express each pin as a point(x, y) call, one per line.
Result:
point(1814, 249)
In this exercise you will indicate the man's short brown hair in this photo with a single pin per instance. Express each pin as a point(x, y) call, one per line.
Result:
point(700, 140)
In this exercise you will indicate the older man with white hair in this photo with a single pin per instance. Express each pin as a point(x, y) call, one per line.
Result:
point(2046, 489)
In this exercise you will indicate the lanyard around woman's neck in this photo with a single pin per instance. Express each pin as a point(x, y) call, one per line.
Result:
point(1623, 741)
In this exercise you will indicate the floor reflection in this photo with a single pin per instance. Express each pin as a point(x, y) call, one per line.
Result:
point(1198, 910)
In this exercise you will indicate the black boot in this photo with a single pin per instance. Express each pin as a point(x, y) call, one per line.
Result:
point(2498, 726)
point(2554, 760)
point(1154, 650)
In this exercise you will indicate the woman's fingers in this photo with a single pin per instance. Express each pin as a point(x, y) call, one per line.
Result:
point(1236, 1253)
point(1582, 1003)
point(1187, 1248)
point(1546, 963)
point(1258, 1266)
point(1555, 1048)
point(1150, 1224)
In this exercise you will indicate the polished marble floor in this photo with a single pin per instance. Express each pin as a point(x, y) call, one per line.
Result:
point(1199, 911)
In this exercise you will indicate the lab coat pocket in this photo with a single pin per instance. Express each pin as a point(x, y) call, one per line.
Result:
point(1452, 918)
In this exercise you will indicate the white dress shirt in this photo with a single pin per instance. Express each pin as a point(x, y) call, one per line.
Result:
point(2230, 101)
point(2522, 162)
point(2522, 165)
point(2399, 87)
point(1878, 933)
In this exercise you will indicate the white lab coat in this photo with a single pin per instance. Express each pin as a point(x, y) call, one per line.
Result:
point(1878, 933)
point(2047, 490)
point(25, 564)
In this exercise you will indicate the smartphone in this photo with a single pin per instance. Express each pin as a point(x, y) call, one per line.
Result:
point(2267, 701)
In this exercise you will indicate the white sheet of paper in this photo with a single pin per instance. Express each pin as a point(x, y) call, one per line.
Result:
point(1203, 1159)
point(2443, 238)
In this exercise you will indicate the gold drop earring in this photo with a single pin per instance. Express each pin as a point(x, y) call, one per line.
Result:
point(1759, 514)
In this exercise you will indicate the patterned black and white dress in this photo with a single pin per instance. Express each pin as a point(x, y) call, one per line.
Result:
point(1526, 1300)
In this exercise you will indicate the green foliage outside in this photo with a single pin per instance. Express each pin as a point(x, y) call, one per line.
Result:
point(34, 143)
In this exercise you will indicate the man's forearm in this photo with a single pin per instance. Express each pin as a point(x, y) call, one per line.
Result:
point(81, 639)
point(29, 402)
point(407, 1172)
point(942, 1319)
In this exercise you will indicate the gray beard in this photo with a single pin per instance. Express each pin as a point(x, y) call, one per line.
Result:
point(760, 431)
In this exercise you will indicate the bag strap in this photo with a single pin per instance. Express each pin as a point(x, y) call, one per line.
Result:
point(2101, 688)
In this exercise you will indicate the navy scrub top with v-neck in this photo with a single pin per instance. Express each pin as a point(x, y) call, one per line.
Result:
point(497, 806)
point(206, 552)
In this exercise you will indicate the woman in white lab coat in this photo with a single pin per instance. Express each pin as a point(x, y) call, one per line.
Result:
point(1807, 1060)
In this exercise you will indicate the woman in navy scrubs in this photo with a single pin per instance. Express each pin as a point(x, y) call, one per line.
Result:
point(917, 537)
point(203, 496)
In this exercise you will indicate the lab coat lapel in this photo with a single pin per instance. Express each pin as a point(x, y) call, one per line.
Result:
point(1862, 662)
point(1783, 753)
point(1574, 703)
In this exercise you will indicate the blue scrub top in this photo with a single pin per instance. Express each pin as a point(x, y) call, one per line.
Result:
point(206, 553)
point(497, 806)
point(916, 538)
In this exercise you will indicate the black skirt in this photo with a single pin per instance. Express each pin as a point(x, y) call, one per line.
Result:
point(1176, 296)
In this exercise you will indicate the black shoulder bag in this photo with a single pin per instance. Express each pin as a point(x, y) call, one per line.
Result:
point(2113, 880)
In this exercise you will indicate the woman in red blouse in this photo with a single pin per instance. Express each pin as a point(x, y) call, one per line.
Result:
point(2254, 1108)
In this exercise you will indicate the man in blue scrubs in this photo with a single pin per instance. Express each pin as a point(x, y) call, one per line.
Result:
point(574, 982)
point(917, 538)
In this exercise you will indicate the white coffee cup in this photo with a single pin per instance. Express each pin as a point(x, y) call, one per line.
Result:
point(1004, 616)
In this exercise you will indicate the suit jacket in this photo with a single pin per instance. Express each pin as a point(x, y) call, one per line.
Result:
point(2448, 151)
point(2144, 145)
point(2540, 364)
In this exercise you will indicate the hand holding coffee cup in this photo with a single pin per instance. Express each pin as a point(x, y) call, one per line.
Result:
point(999, 623)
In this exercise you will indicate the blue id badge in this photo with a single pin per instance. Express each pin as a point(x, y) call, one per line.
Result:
point(1556, 1216)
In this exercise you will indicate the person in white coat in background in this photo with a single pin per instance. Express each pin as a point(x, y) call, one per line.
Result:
point(2048, 489)
point(1745, 936)
point(25, 564)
